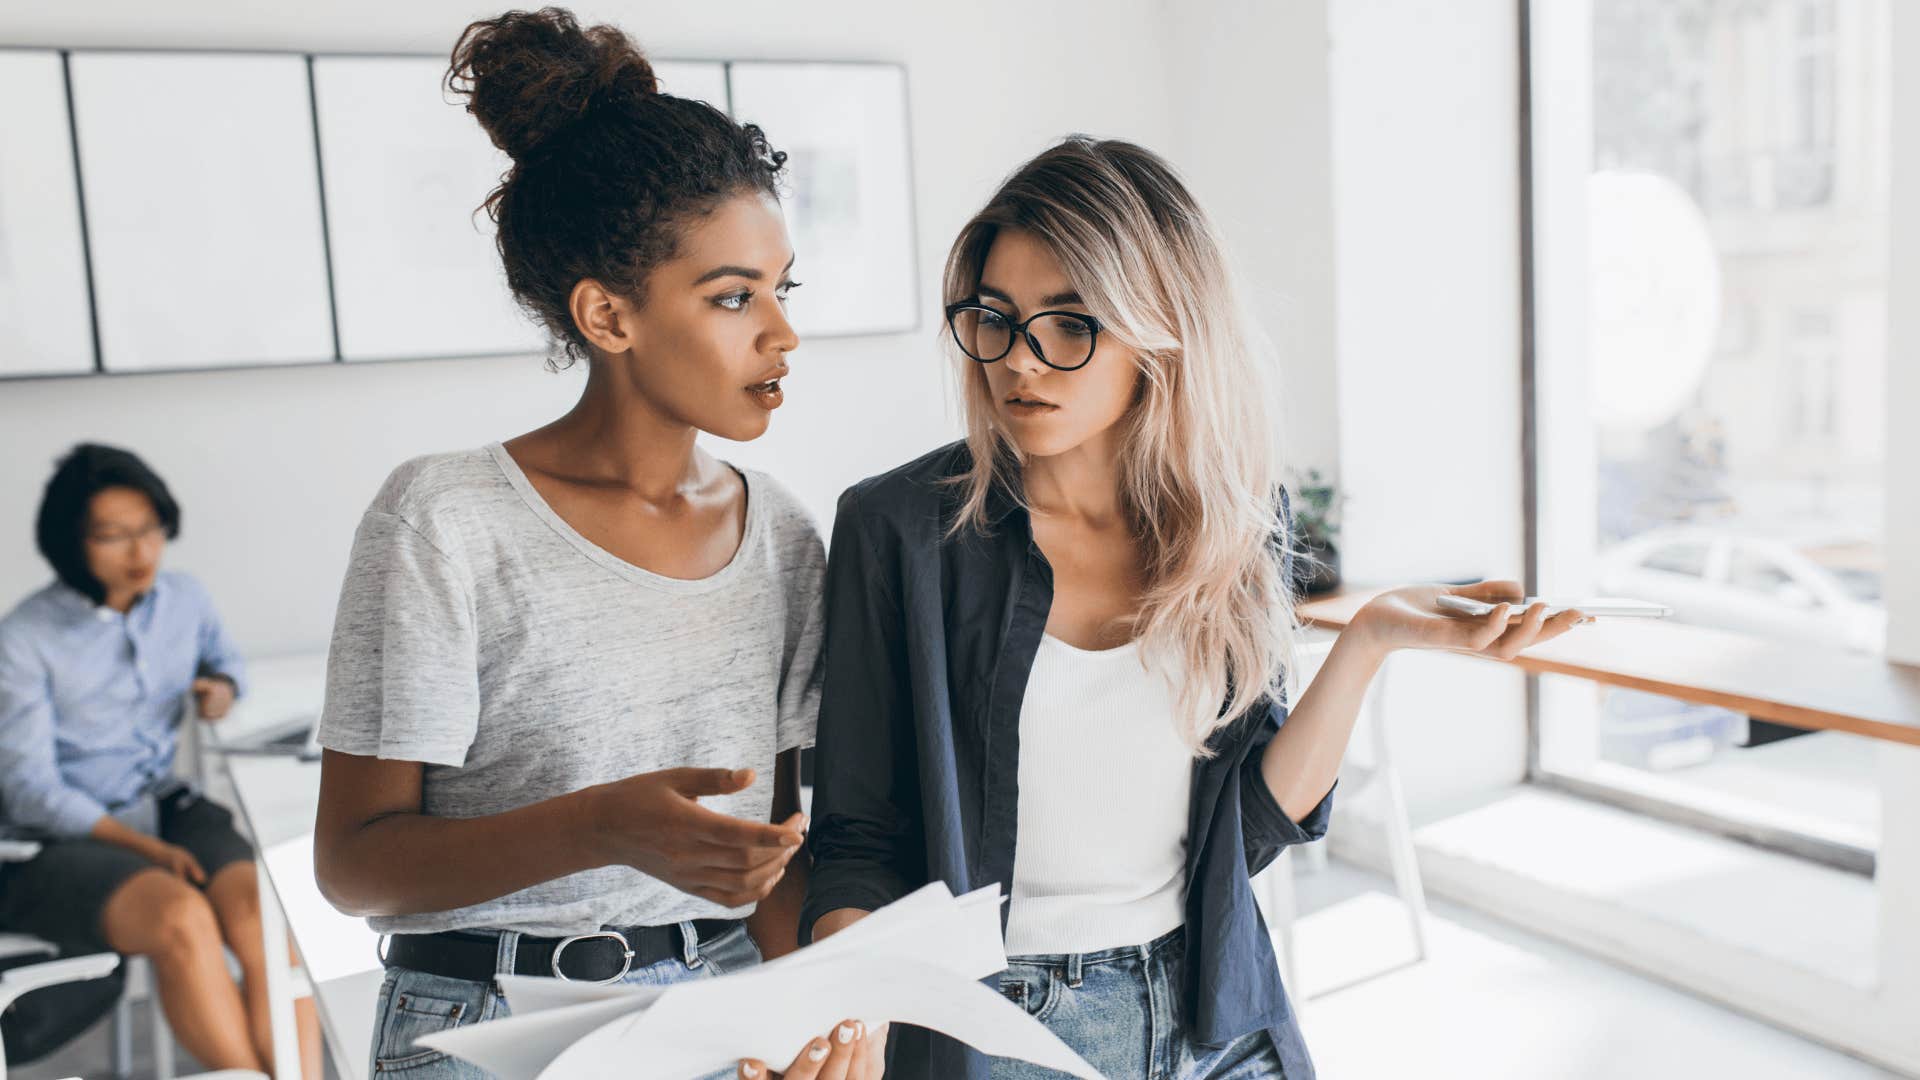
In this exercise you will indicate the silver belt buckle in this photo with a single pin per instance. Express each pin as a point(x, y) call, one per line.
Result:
point(626, 962)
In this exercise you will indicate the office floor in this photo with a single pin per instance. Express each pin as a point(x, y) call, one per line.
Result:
point(1495, 1003)
point(1492, 1003)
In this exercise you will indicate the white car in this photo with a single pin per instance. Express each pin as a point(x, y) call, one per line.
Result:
point(1764, 587)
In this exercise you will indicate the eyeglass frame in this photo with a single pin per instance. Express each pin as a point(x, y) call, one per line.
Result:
point(124, 541)
point(1019, 330)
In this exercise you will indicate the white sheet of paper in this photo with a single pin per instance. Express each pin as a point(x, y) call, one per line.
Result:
point(701, 1028)
point(535, 993)
point(928, 924)
point(522, 1047)
point(918, 961)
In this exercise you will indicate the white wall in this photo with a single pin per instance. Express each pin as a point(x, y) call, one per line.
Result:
point(1425, 180)
point(1252, 135)
point(1360, 157)
point(1903, 348)
point(274, 466)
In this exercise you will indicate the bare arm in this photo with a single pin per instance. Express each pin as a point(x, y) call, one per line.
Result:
point(775, 923)
point(375, 853)
point(1303, 760)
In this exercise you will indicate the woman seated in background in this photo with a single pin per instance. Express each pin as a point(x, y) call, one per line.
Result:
point(95, 669)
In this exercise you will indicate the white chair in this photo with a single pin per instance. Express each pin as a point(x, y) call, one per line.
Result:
point(140, 985)
point(55, 970)
point(30, 977)
point(1378, 776)
point(17, 981)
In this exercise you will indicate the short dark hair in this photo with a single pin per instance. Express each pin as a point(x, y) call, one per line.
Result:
point(87, 470)
point(608, 171)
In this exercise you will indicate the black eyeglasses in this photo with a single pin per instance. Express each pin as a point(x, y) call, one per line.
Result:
point(1063, 340)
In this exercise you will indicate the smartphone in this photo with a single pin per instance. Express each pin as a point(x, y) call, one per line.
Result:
point(1600, 607)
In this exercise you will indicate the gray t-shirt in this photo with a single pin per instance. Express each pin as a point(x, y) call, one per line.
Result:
point(480, 634)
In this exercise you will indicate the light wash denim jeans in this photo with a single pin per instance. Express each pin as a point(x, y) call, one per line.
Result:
point(414, 1003)
point(1122, 1010)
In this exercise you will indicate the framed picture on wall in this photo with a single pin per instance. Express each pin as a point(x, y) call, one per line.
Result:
point(45, 322)
point(202, 200)
point(406, 170)
point(849, 201)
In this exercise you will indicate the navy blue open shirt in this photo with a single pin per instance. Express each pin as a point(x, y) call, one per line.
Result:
point(929, 641)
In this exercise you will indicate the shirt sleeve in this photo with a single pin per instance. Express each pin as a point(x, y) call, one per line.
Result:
point(866, 837)
point(1266, 828)
point(403, 671)
point(800, 672)
point(218, 654)
point(35, 794)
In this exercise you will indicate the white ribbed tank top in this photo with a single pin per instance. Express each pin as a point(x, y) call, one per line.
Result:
point(1105, 783)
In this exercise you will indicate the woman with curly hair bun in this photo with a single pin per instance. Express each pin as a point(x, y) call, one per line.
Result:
point(572, 672)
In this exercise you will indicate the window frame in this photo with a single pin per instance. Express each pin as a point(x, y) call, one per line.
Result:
point(1671, 807)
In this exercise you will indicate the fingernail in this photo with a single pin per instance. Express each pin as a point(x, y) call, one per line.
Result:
point(863, 1029)
point(818, 1053)
point(845, 1033)
point(748, 1070)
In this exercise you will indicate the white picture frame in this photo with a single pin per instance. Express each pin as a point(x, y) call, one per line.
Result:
point(202, 199)
point(405, 170)
point(849, 197)
point(46, 315)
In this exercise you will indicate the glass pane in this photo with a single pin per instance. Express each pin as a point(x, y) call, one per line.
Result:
point(1737, 263)
point(1712, 187)
point(1688, 559)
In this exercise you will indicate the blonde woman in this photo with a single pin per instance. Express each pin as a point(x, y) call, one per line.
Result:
point(1053, 649)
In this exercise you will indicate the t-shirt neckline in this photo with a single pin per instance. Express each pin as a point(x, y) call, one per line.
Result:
point(517, 479)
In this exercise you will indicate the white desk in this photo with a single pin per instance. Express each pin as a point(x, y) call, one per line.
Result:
point(277, 797)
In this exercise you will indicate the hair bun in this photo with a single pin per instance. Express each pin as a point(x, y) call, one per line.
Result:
point(529, 75)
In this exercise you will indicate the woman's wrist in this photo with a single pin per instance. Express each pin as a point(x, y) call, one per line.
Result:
point(151, 848)
point(111, 830)
point(1368, 634)
point(590, 825)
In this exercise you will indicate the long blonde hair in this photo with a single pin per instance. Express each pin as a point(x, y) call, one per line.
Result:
point(1199, 474)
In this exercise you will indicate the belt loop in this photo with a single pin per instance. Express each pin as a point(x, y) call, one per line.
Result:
point(690, 945)
point(1076, 970)
point(506, 952)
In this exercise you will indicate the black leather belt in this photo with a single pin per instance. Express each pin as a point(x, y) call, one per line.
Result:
point(601, 956)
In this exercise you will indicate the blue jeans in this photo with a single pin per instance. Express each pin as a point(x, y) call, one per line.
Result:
point(1122, 1010)
point(414, 1003)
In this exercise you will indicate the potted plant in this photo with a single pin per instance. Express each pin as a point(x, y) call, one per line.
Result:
point(1316, 522)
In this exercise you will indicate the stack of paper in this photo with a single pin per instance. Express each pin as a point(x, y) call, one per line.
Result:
point(917, 961)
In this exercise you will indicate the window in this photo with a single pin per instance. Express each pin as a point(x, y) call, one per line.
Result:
point(1754, 573)
point(1687, 559)
point(1708, 209)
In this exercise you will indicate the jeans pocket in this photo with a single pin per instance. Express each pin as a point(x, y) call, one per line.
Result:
point(416, 1004)
point(1032, 988)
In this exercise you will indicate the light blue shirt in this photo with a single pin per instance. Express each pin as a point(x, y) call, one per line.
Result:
point(90, 699)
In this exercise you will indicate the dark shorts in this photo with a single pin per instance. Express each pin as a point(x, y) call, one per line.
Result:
point(61, 893)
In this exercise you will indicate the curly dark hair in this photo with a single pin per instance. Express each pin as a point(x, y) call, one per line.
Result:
point(608, 172)
point(61, 529)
